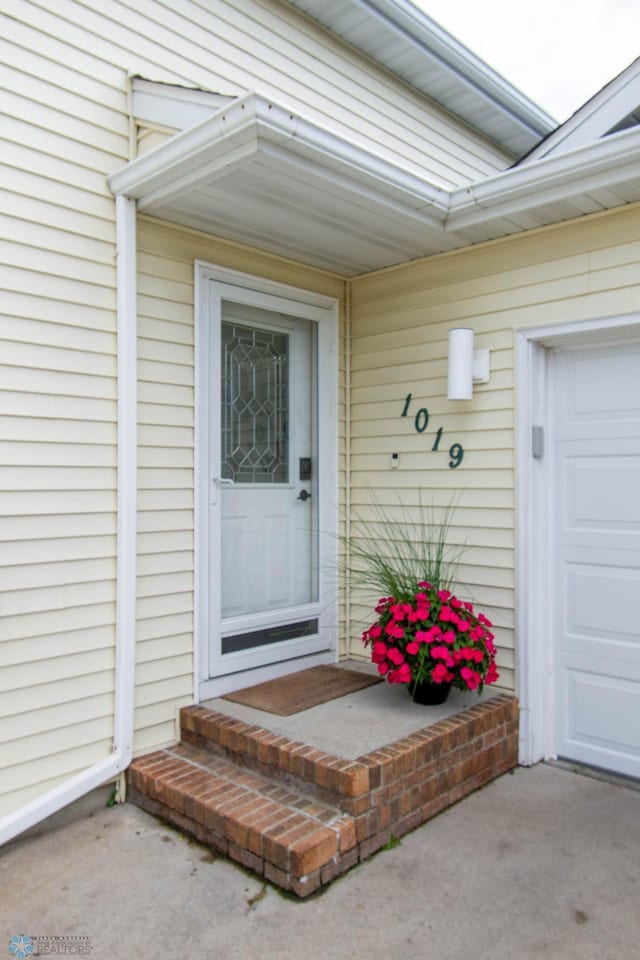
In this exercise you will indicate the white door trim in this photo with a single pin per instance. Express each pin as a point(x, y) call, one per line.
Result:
point(300, 302)
point(534, 504)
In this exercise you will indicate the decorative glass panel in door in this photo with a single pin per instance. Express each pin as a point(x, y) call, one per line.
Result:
point(268, 554)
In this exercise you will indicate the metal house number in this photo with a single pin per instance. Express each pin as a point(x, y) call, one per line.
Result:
point(421, 422)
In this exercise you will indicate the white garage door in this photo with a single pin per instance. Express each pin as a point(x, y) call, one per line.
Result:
point(596, 430)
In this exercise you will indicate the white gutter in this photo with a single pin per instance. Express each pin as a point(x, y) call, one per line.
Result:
point(108, 769)
point(612, 161)
point(468, 67)
point(253, 127)
point(403, 39)
point(254, 124)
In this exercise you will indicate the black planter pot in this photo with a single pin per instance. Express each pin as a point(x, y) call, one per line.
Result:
point(429, 693)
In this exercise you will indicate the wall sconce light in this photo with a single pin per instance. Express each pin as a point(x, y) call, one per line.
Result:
point(466, 366)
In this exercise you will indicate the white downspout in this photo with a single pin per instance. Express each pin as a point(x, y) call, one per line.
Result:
point(108, 769)
point(347, 469)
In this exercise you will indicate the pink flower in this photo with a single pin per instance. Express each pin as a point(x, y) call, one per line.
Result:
point(428, 636)
point(394, 631)
point(471, 678)
point(444, 594)
point(448, 636)
point(424, 585)
point(403, 675)
point(440, 653)
point(378, 651)
point(492, 674)
point(375, 631)
point(396, 656)
point(421, 612)
point(383, 669)
point(440, 674)
point(397, 611)
point(463, 626)
point(412, 647)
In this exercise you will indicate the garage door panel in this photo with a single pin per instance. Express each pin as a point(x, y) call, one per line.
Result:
point(594, 726)
point(603, 491)
point(603, 601)
point(602, 386)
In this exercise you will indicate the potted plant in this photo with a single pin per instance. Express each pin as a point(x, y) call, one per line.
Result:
point(432, 641)
point(423, 636)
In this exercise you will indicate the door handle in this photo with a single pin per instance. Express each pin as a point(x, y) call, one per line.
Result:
point(303, 495)
point(223, 481)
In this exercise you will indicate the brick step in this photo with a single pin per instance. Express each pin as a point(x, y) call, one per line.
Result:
point(299, 816)
point(330, 778)
point(287, 837)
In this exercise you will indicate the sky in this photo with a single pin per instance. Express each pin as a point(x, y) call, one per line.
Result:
point(558, 52)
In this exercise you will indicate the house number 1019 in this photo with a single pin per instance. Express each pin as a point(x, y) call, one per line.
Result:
point(421, 422)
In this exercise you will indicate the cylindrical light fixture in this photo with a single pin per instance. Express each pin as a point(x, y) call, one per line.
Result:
point(460, 380)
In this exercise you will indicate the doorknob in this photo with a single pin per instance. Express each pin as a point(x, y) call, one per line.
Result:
point(303, 495)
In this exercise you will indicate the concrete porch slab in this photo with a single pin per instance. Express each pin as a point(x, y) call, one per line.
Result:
point(358, 723)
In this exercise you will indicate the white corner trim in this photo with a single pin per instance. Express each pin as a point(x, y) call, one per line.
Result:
point(108, 769)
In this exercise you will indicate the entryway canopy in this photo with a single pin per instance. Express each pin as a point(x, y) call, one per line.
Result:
point(256, 173)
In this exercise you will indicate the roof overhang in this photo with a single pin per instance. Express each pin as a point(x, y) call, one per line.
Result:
point(258, 174)
point(404, 40)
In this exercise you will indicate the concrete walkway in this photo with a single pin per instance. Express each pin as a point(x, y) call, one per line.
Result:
point(541, 863)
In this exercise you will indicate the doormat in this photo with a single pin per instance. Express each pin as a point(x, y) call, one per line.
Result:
point(301, 691)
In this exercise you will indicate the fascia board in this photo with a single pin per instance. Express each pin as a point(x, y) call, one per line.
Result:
point(184, 153)
point(602, 164)
point(592, 121)
point(467, 67)
point(457, 79)
point(253, 124)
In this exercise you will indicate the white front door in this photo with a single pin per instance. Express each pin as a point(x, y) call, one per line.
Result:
point(596, 451)
point(267, 458)
point(265, 436)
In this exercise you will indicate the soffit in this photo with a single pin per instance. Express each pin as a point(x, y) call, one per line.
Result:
point(404, 40)
point(258, 174)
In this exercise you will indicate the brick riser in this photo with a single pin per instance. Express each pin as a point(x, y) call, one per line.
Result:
point(300, 817)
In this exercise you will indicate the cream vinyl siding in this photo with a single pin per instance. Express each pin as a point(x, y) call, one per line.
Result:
point(400, 321)
point(165, 669)
point(266, 46)
point(64, 68)
point(57, 400)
